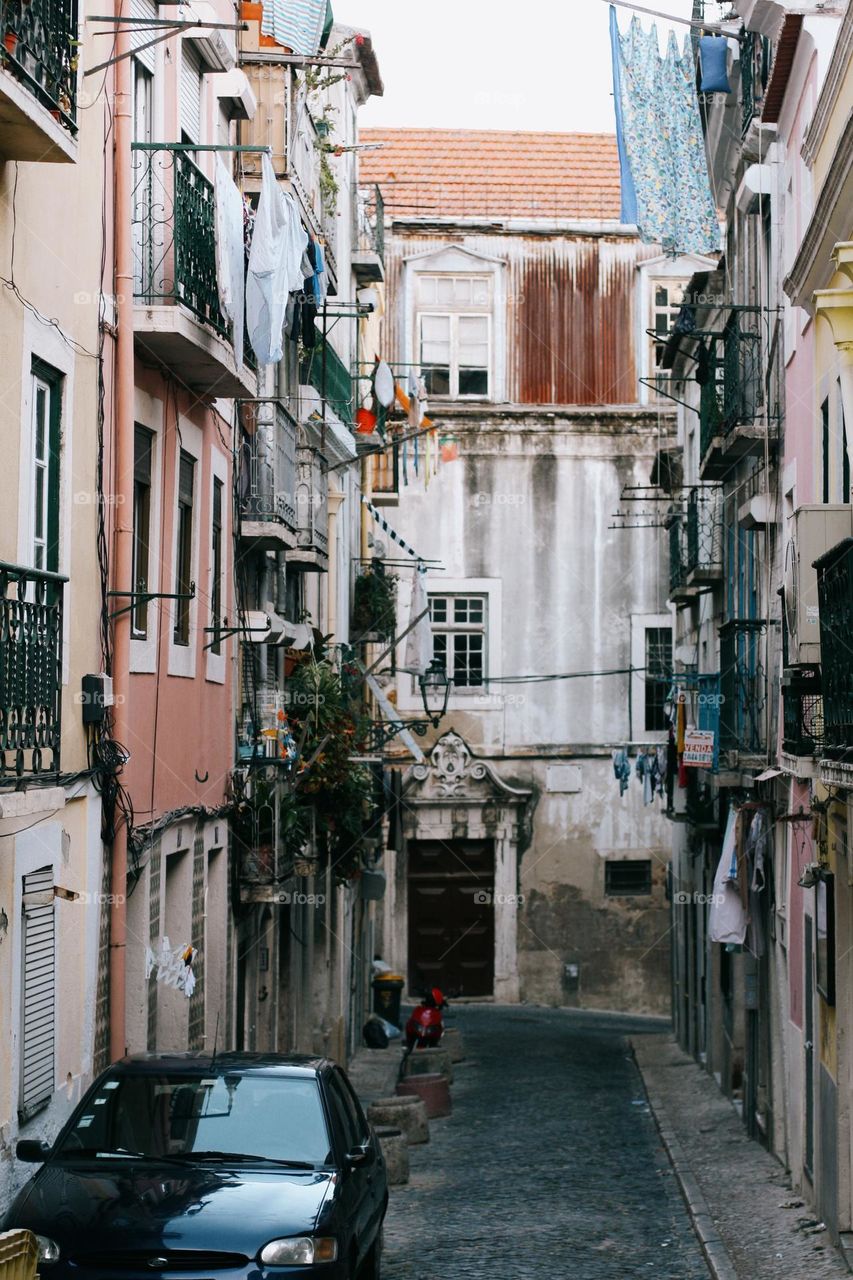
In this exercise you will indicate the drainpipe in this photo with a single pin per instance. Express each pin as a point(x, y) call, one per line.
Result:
point(123, 508)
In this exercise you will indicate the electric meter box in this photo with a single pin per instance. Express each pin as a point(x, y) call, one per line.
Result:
point(96, 696)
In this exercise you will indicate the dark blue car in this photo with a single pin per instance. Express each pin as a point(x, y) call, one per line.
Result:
point(239, 1167)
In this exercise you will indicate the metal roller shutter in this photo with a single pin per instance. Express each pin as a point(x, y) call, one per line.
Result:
point(190, 91)
point(144, 9)
point(38, 992)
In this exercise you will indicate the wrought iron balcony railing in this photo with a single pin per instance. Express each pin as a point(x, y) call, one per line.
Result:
point(372, 220)
point(704, 535)
point(677, 556)
point(312, 490)
point(742, 390)
point(30, 670)
point(710, 413)
point(40, 39)
point(268, 472)
point(742, 687)
point(325, 371)
point(385, 471)
point(754, 75)
point(802, 712)
point(835, 603)
point(173, 233)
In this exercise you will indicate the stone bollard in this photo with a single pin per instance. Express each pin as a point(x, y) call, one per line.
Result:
point(452, 1042)
point(427, 1062)
point(435, 1091)
point(404, 1112)
point(395, 1149)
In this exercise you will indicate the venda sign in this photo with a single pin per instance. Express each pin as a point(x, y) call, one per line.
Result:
point(699, 748)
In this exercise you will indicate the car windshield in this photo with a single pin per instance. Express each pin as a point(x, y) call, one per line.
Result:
point(173, 1116)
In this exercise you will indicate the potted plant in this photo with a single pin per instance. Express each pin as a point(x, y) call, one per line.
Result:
point(374, 604)
point(10, 41)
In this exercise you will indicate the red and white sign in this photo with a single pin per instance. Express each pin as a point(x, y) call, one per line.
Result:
point(699, 748)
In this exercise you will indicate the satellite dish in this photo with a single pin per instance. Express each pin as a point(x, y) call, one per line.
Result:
point(792, 592)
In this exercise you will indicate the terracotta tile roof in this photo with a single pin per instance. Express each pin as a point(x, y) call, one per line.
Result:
point(484, 173)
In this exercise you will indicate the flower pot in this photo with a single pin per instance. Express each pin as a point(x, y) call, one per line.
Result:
point(10, 40)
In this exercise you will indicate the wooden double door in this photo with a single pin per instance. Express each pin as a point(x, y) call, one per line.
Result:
point(451, 916)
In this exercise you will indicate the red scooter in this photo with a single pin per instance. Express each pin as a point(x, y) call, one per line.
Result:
point(425, 1027)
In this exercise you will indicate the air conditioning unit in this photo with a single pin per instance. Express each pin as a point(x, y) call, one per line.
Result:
point(812, 531)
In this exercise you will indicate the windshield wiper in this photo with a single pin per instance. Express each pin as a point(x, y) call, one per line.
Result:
point(245, 1158)
point(117, 1153)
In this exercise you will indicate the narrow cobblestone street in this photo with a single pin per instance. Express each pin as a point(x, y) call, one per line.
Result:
point(550, 1165)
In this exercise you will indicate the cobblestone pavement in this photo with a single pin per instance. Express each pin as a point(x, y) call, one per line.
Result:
point(771, 1233)
point(550, 1167)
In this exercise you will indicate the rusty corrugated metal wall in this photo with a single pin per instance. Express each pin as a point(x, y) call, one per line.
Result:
point(571, 318)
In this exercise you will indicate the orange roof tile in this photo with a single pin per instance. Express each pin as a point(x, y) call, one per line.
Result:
point(484, 173)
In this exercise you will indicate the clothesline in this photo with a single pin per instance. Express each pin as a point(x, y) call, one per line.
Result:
point(670, 17)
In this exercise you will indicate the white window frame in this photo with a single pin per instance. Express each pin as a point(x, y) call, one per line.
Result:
point(182, 657)
point(487, 698)
point(216, 663)
point(454, 317)
point(451, 629)
point(149, 414)
point(640, 623)
point(456, 260)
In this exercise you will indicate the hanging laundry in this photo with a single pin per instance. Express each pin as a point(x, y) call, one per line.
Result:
point(419, 642)
point(758, 846)
point(297, 24)
point(665, 184)
point(449, 449)
point(643, 770)
point(383, 384)
point(275, 238)
point(714, 64)
point(230, 254)
point(727, 918)
point(622, 768)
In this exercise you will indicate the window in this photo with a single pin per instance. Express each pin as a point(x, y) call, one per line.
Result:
point(824, 421)
point(143, 441)
point(216, 568)
point(38, 993)
point(191, 93)
point(459, 632)
point(143, 99)
point(628, 879)
point(184, 565)
point(666, 299)
point(46, 403)
point(454, 335)
point(658, 666)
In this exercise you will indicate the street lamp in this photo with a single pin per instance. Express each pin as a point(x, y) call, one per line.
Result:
point(435, 691)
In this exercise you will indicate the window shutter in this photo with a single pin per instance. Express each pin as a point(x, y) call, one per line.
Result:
point(185, 479)
point(144, 9)
point(190, 92)
point(38, 993)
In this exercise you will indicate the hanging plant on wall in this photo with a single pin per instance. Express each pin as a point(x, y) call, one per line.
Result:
point(374, 610)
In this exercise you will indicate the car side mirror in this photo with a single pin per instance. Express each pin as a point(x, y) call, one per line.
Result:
point(359, 1156)
point(29, 1151)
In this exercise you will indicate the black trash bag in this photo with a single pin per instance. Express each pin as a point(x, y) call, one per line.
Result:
point(375, 1035)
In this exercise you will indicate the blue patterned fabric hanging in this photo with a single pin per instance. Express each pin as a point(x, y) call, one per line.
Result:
point(661, 145)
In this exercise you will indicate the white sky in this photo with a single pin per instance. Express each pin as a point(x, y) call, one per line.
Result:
point(495, 64)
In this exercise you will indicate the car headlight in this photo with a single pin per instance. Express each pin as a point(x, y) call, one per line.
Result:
point(48, 1249)
point(300, 1251)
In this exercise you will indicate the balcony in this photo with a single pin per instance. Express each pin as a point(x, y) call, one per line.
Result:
point(384, 471)
point(38, 81)
point(704, 561)
point(324, 370)
point(802, 719)
point(835, 597)
point(312, 514)
point(368, 260)
point(30, 671)
point(177, 320)
point(731, 399)
point(743, 726)
point(680, 590)
point(268, 482)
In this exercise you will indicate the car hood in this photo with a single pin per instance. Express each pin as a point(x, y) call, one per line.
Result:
point(87, 1207)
